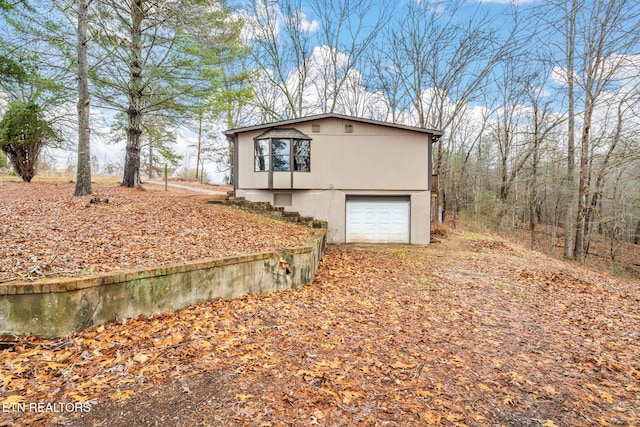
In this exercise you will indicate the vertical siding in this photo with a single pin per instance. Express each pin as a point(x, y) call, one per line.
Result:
point(372, 157)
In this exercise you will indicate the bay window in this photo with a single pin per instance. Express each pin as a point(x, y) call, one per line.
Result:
point(275, 153)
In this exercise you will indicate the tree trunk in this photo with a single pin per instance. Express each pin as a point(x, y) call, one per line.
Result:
point(533, 195)
point(503, 192)
point(134, 113)
point(83, 173)
point(199, 145)
point(132, 163)
point(150, 175)
point(583, 186)
point(132, 159)
point(596, 200)
point(568, 226)
point(636, 238)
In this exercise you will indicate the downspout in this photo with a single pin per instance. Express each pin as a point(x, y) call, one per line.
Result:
point(434, 211)
point(430, 164)
point(234, 167)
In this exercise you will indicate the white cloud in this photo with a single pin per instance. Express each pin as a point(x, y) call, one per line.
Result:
point(300, 20)
point(541, 91)
point(265, 19)
point(626, 71)
point(322, 61)
point(262, 23)
point(561, 75)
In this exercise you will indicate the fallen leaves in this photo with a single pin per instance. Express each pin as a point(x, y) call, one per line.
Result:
point(122, 395)
point(141, 358)
point(47, 232)
point(369, 343)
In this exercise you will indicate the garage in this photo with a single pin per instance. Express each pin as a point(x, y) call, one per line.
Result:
point(378, 219)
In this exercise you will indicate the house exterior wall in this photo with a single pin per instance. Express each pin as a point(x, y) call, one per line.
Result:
point(330, 206)
point(371, 160)
point(356, 161)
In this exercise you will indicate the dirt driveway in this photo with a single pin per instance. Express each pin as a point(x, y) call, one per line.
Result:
point(470, 331)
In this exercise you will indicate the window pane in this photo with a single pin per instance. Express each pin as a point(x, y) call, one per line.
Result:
point(302, 164)
point(261, 147)
point(262, 163)
point(281, 163)
point(281, 147)
point(302, 148)
point(261, 154)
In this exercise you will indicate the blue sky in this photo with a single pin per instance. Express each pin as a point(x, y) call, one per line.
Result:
point(498, 10)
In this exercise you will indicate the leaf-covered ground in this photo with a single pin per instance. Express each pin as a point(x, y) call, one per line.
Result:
point(471, 331)
point(46, 232)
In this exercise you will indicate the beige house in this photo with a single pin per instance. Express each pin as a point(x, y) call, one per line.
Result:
point(370, 180)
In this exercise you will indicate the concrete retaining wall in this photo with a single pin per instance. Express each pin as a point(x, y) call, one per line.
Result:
point(57, 307)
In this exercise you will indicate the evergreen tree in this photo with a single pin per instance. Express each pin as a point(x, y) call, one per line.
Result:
point(160, 61)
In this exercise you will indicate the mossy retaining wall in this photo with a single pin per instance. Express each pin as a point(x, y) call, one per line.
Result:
point(58, 307)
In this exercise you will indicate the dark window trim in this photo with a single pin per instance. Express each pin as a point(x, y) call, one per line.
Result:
point(295, 156)
point(269, 156)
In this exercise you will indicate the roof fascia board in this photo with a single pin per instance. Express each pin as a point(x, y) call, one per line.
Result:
point(327, 116)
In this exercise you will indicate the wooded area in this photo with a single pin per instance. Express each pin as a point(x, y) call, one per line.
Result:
point(538, 101)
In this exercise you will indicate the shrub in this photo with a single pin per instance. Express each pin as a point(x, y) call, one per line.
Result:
point(23, 133)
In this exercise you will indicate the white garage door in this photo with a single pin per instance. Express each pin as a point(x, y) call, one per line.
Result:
point(377, 219)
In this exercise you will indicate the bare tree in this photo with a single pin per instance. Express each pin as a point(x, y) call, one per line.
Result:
point(467, 134)
point(438, 89)
point(308, 62)
point(36, 44)
point(47, 29)
point(542, 124)
point(570, 17)
point(383, 79)
point(280, 39)
point(513, 148)
point(598, 36)
point(361, 22)
point(608, 36)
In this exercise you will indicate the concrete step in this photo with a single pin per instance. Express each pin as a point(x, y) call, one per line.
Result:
point(287, 214)
point(268, 209)
point(263, 206)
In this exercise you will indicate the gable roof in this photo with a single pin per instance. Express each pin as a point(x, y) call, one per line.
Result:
point(236, 131)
